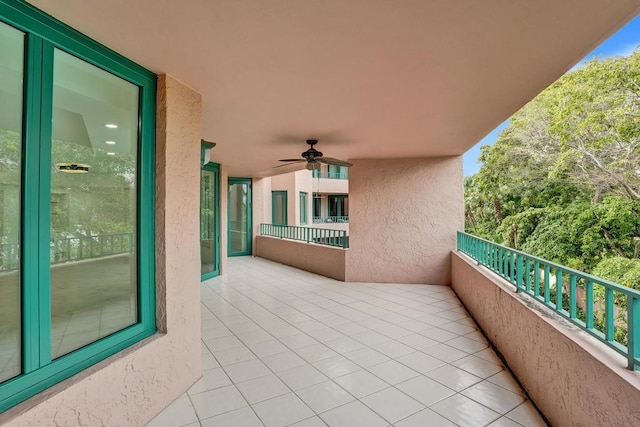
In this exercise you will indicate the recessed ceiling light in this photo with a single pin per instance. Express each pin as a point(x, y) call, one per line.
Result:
point(111, 126)
point(110, 142)
point(110, 153)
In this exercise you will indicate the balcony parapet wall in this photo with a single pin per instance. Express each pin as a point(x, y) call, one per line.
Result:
point(571, 377)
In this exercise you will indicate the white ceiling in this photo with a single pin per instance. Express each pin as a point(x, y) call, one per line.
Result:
point(368, 78)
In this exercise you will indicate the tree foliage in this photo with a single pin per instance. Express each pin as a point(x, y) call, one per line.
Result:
point(563, 180)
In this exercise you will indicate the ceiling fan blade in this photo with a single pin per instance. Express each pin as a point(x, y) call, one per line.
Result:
point(334, 162)
point(287, 164)
point(292, 160)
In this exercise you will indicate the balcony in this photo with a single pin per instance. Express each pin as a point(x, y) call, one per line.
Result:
point(282, 346)
point(331, 219)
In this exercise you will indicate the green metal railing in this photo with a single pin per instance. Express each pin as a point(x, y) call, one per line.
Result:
point(322, 236)
point(67, 249)
point(330, 175)
point(604, 309)
point(331, 219)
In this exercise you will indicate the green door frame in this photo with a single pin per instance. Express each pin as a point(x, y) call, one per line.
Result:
point(215, 168)
point(249, 245)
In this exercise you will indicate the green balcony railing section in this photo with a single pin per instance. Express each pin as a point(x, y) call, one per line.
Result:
point(321, 236)
point(67, 249)
point(331, 219)
point(606, 310)
point(342, 174)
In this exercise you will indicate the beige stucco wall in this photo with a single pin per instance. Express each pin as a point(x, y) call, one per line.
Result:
point(131, 387)
point(403, 218)
point(330, 186)
point(324, 260)
point(574, 379)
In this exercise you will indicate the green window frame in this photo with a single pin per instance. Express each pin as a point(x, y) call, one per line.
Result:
point(214, 201)
point(279, 207)
point(43, 34)
point(303, 208)
point(338, 205)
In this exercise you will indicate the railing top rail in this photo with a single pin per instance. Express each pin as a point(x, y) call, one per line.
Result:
point(588, 277)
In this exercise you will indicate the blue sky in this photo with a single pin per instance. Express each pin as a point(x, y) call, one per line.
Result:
point(621, 43)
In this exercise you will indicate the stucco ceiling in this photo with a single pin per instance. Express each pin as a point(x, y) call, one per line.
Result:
point(369, 78)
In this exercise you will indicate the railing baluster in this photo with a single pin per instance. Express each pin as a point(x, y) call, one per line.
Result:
point(519, 273)
point(558, 289)
point(608, 314)
point(589, 304)
point(633, 330)
point(547, 284)
point(573, 284)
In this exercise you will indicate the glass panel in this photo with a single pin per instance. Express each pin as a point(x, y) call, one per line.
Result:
point(239, 217)
point(317, 205)
point(208, 248)
point(11, 72)
point(279, 201)
point(93, 204)
point(303, 208)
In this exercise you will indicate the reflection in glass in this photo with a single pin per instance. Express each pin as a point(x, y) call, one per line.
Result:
point(279, 207)
point(11, 72)
point(239, 200)
point(208, 197)
point(93, 204)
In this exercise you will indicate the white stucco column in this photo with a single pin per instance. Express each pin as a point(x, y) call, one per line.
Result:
point(403, 218)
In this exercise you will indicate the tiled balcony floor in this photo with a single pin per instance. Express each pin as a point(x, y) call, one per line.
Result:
point(282, 347)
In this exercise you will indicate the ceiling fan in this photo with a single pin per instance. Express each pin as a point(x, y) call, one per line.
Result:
point(314, 158)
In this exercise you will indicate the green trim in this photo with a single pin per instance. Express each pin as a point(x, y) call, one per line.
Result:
point(30, 182)
point(304, 215)
point(43, 34)
point(249, 245)
point(274, 197)
point(339, 198)
point(215, 168)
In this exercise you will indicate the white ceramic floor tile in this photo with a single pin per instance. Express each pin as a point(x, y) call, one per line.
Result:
point(262, 388)
point(282, 410)
point(527, 415)
point(493, 396)
point(393, 349)
point(336, 366)
point(505, 380)
point(211, 379)
point(464, 411)
point(425, 390)
point(353, 414)
point(420, 362)
point(246, 370)
point(179, 413)
point(324, 396)
point(366, 357)
point(504, 422)
point(243, 417)
point(310, 422)
point(233, 355)
point(393, 372)
point(315, 352)
point(445, 353)
point(282, 361)
point(392, 404)
point(425, 418)
point(215, 402)
point(302, 376)
point(361, 383)
point(478, 366)
point(253, 319)
point(453, 377)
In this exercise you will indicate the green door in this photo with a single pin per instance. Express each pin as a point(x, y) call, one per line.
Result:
point(239, 203)
point(209, 221)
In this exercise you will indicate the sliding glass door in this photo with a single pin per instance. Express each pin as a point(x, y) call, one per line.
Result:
point(239, 216)
point(209, 221)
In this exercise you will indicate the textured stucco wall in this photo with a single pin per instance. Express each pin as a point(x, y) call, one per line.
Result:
point(131, 387)
point(403, 218)
point(330, 186)
point(324, 260)
point(574, 379)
